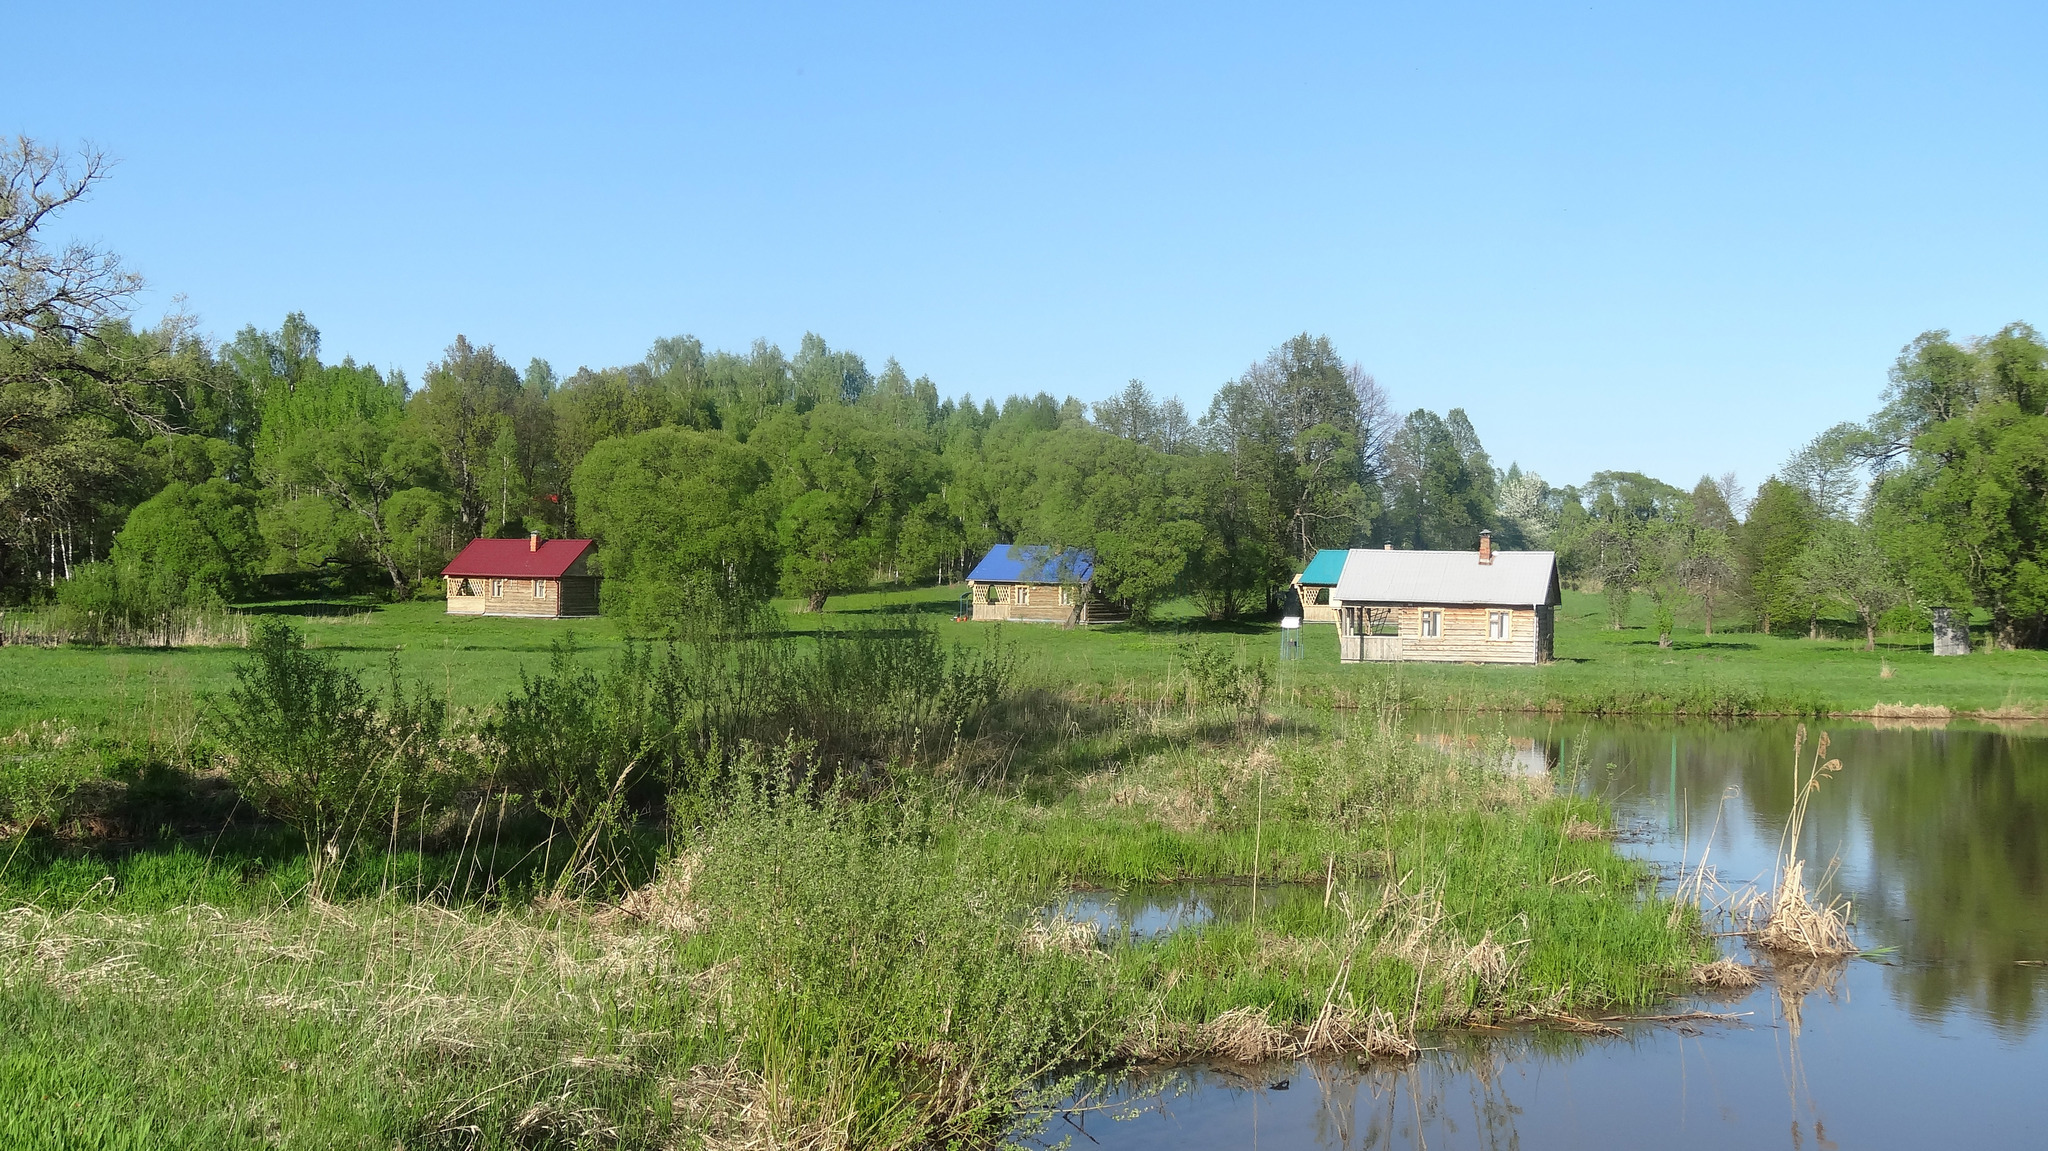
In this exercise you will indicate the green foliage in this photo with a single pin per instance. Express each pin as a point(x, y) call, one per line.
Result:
point(1781, 521)
point(682, 520)
point(308, 745)
point(844, 478)
point(190, 544)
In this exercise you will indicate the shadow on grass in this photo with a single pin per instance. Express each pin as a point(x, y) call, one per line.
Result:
point(1697, 644)
point(310, 608)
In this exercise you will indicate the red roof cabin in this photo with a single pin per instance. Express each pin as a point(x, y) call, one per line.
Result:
point(529, 577)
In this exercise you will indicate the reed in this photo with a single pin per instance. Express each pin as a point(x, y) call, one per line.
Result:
point(1797, 920)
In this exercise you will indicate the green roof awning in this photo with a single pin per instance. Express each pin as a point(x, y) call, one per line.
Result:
point(1325, 569)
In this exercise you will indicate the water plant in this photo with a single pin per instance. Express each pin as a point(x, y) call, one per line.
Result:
point(1797, 921)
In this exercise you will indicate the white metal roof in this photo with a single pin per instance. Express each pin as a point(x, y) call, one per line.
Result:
point(1418, 577)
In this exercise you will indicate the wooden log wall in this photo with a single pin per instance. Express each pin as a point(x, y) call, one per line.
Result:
point(1463, 636)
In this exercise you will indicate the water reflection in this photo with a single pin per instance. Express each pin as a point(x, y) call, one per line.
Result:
point(1942, 839)
point(1147, 911)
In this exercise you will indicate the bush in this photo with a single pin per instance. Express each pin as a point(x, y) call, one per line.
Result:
point(308, 745)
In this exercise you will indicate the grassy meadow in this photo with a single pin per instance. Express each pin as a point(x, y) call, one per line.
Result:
point(766, 958)
point(476, 661)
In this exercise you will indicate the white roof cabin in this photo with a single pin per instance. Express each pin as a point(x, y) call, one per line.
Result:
point(1447, 606)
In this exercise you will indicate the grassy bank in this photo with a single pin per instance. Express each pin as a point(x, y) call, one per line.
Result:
point(152, 694)
point(860, 970)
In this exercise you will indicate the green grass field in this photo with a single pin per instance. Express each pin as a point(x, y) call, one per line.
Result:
point(137, 692)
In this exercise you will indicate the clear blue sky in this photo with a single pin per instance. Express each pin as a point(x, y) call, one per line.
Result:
point(1678, 241)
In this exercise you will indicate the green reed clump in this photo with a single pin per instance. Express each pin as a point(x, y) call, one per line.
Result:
point(881, 987)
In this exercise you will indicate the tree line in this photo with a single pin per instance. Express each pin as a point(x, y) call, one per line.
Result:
point(152, 469)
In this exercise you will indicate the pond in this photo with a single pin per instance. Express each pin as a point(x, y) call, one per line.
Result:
point(1936, 1035)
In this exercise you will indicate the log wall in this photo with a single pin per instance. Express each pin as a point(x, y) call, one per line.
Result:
point(1042, 603)
point(1462, 637)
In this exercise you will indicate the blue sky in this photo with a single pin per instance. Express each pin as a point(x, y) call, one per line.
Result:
point(1675, 241)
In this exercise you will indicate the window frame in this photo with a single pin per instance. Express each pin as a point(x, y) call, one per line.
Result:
point(1500, 626)
point(497, 589)
point(1431, 625)
point(540, 589)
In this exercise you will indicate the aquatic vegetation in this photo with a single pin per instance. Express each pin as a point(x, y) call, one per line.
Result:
point(1796, 920)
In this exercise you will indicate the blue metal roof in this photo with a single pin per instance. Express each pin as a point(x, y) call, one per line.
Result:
point(1326, 569)
point(1033, 563)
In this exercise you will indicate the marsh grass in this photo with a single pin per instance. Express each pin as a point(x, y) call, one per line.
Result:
point(804, 957)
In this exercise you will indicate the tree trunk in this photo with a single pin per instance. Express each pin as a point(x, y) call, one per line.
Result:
point(1664, 639)
point(1869, 634)
point(1710, 615)
point(815, 601)
point(1813, 627)
point(2004, 631)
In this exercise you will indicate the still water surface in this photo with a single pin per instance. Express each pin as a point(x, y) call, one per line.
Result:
point(1938, 1040)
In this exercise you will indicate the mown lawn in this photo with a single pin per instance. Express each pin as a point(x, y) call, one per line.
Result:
point(476, 661)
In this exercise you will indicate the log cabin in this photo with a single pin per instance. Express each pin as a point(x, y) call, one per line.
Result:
point(549, 579)
point(1446, 606)
point(1317, 586)
point(1035, 584)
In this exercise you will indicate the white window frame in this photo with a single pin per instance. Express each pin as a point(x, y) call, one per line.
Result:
point(1499, 625)
point(1023, 595)
point(540, 589)
point(1066, 595)
point(1432, 623)
point(497, 589)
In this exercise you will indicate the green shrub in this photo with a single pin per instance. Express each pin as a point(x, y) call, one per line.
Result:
point(307, 743)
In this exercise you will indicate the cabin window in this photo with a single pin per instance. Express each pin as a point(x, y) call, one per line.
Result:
point(1023, 595)
point(463, 588)
point(498, 587)
point(1066, 595)
point(540, 589)
point(1432, 624)
point(1496, 625)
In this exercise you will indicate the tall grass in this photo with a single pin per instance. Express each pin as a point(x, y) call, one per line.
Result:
point(820, 920)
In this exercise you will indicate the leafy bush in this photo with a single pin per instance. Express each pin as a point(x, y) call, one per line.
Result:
point(309, 745)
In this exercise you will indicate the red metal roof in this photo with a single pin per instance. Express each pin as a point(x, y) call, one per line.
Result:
point(511, 559)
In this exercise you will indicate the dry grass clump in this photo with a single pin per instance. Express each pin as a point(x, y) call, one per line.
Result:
point(1725, 974)
point(1249, 1035)
point(1796, 921)
point(663, 903)
point(1582, 831)
point(1062, 934)
point(1911, 711)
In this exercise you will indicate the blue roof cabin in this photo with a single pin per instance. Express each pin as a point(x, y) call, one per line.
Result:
point(1317, 586)
point(1033, 583)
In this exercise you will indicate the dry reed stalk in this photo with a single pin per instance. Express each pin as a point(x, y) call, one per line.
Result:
point(1797, 922)
point(1725, 975)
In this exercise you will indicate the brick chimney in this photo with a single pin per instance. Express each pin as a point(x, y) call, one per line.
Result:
point(533, 542)
point(1486, 547)
point(1389, 547)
